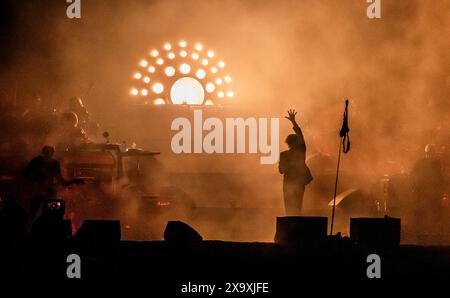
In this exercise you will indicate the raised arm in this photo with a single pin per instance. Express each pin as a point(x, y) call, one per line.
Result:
point(298, 131)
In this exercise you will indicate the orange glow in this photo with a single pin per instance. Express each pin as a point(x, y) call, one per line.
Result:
point(176, 81)
point(163, 204)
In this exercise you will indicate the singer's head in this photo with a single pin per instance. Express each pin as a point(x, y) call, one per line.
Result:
point(292, 141)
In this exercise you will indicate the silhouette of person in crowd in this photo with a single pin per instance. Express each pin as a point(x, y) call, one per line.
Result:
point(296, 174)
point(68, 134)
point(42, 175)
point(428, 186)
point(44, 169)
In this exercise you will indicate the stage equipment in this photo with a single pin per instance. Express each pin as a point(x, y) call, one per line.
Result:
point(182, 73)
point(99, 232)
point(179, 233)
point(375, 233)
point(301, 230)
point(344, 144)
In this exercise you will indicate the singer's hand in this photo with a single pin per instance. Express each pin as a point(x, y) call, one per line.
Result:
point(291, 115)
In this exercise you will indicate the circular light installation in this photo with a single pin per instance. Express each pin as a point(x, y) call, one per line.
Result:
point(169, 71)
point(187, 91)
point(182, 73)
point(159, 101)
point(158, 88)
point(201, 74)
point(210, 87)
point(143, 63)
point(185, 68)
point(198, 47)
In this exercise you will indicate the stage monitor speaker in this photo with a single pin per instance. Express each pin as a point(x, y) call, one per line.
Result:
point(301, 230)
point(45, 230)
point(350, 200)
point(381, 233)
point(99, 232)
point(178, 232)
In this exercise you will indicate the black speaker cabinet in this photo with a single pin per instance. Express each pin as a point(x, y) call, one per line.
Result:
point(99, 232)
point(51, 230)
point(383, 233)
point(178, 232)
point(301, 230)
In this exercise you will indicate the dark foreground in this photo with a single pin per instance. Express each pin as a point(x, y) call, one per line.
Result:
point(244, 268)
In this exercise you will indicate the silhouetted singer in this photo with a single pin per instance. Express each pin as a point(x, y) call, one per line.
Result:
point(296, 175)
